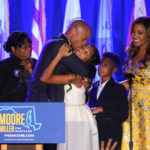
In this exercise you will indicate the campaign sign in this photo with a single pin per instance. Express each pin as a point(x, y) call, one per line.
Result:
point(32, 122)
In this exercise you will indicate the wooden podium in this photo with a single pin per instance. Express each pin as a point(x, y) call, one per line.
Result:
point(21, 147)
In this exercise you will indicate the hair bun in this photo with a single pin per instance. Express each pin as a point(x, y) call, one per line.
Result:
point(6, 47)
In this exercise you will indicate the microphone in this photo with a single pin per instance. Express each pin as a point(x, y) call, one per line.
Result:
point(129, 75)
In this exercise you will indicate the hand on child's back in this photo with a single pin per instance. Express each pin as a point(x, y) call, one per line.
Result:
point(65, 50)
point(96, 110)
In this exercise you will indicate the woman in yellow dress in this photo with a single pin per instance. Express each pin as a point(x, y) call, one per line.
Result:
point(138, 63)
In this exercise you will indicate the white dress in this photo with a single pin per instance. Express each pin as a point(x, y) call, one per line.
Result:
point(81, 127)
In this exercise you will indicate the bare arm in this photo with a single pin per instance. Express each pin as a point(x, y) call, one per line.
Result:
point(125, 84)
point(48, 76)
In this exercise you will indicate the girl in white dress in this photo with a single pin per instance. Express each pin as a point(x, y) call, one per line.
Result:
point(81, 127)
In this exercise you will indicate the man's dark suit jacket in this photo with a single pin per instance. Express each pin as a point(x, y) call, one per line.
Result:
point(40, 91)
point(113, 99)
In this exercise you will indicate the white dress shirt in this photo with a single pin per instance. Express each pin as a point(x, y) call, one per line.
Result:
point(100, 88)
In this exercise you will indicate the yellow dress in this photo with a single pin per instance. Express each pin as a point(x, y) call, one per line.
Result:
point(140, 112)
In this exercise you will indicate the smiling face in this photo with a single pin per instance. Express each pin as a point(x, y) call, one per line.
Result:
point(85, 53)
point(139, 36)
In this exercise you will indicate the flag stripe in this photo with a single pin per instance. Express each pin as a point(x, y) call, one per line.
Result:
point(42, 21)
point(38, 27)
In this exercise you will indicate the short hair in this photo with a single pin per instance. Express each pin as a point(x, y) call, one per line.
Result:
point(77, 23)
point(114, 57)
point(17, 38)
point(95, 60)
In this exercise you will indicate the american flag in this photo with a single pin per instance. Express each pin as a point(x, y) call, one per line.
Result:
point(38, 27)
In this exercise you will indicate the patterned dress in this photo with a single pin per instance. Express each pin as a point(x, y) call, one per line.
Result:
point(140, 112)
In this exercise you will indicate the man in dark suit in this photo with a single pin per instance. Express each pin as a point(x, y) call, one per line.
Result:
point(77, 35)
point(109, 100)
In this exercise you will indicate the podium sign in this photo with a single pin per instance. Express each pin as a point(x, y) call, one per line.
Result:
point(32, 122)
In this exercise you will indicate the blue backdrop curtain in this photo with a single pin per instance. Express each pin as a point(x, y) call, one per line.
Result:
point(22, 11)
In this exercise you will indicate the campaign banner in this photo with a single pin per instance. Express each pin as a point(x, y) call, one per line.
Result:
point(32, 122)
